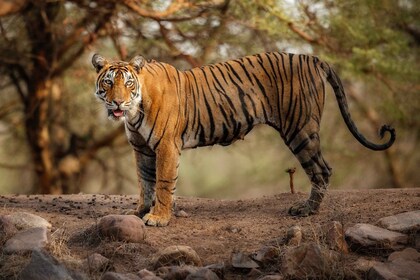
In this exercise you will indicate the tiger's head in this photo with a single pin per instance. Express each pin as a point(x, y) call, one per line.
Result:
point(118, 85)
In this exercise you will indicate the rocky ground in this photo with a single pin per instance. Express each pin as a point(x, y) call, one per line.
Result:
point(355, 236)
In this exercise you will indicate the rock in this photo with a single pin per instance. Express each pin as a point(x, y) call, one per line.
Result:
point(129, 228)
point(369, 236)
point(397, 269)
point(266, 255)
point(27, 240)
point(25, 220)
point(218, 268)
point(181, 214)
point(403, 222)
point(363, 265)
point(308, 261)
point(294, 236)
point(408, 254)
point(7, 229)
point(43, 267)
point(203, 274)
point(96, 262)
point(177, 255)
point(335, 237)
point(417, 241)
point(240, 260)
point(175, 272)
point(119, 276)
point(145, 274)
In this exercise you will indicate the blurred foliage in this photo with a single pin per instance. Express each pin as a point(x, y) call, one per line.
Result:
point(373, 44)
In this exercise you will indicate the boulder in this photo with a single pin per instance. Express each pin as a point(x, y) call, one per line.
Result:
point(128, 228)
point(177, 255)
point(403, 222)
point(370, 236)
point(42, 266)
point(27, 240)
point(397, 269)
point(25, 220)
point(408, 254)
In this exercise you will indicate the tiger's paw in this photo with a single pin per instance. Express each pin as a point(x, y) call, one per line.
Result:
point(155, 220)
point(137, 212)
point(302, 209)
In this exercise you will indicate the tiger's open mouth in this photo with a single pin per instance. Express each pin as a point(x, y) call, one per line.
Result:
point(116, 113)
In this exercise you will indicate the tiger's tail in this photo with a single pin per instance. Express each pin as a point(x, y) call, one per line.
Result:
point(337, 86)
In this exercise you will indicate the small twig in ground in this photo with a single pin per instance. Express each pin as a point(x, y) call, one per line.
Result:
point(291, 171)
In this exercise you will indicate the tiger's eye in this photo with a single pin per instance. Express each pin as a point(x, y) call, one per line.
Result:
point(129, 83)
point(107, 82)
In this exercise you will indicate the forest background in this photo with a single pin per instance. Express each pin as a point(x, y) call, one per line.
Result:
point(55, 136)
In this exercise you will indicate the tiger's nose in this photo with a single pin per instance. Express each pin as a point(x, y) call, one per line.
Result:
point(118, 101)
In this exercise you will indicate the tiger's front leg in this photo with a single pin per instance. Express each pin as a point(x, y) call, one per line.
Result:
point(167, 163)
point(146, 174)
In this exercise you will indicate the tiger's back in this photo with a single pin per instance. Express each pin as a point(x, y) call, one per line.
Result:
point(224, 101)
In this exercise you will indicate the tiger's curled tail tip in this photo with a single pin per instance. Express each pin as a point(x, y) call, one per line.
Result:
point(391, 130)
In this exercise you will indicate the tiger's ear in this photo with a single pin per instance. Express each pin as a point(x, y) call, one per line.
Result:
point(98, 62)
point(137, 63)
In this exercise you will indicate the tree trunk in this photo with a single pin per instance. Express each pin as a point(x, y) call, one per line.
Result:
point(38, 133)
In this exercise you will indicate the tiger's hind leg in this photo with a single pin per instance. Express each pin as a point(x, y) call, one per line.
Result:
point(306, 148)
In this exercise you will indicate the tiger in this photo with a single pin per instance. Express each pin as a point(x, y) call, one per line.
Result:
point(166, 110)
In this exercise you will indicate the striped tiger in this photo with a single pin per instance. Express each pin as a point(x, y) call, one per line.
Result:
point(166, 110)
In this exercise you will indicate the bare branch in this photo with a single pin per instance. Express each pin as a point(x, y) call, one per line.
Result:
point(176, 52)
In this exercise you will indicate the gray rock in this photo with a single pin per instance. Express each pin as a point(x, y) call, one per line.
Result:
point(129, 228)
point(119, 276)
point(25, 220)
point(27, 240)
point(96, 262)
point(403, 222)
point(177, 255)
point(408, 254)
point(335, 237)
point(308, 261)
point(203, 274)
point(397, 269)
point(240, 260)
point(45, 267)
point(370, 236)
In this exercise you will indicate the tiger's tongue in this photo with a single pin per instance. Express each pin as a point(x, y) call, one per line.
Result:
point(118, 113)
